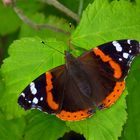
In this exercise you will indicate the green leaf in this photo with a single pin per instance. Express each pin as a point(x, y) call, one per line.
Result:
point(132, 127)
point(9, 22)
point(1, 85)
point(29, 58)
point(11, 129)
point(104, 125)
point(41, 125)
point(105, 21)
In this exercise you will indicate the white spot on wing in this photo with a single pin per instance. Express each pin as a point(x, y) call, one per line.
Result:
point(125, 55)
point(29, 101)
point(130, 51)
point(117, 45)
point(32, 88)
point(35, 100)
point(120, 59)
point(41, 99)
point(22, 94)
point(128, 41)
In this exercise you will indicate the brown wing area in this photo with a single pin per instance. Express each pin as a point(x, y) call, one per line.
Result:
point(75, 104)
point(89, 73)
point(105, 89)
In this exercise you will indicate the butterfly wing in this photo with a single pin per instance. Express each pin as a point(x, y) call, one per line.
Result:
point(107, 66)
point(55, 93)
point(73, 91)
point(45, 93)
point(119, 55)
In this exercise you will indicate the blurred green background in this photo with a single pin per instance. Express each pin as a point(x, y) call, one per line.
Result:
point(86, 23)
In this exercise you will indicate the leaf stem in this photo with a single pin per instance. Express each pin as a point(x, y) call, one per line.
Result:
point(81, 2)
point(34, 25)
point(63, 9)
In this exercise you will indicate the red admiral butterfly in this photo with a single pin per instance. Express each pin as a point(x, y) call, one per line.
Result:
point(93, 80)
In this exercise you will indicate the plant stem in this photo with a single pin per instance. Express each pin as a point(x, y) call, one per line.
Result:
point(34, 25)
point(81, 2)
point(63, 9)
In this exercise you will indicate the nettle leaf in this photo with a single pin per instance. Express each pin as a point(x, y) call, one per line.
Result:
point(44, 126)
point(105, 21)
point(29, 58)
point(104, 125)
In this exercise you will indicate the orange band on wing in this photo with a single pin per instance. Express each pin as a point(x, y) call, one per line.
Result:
point(114, 95)
point(74, 116)
point(113, 64)
point(49, 97)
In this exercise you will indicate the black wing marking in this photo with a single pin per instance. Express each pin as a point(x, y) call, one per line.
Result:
point(35, 94)
point(122, 52)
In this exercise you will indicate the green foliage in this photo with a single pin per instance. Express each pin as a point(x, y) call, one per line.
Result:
point(26, 31)
point(6, 16)
point(132, 127)
point(102, 21)
point(12, 129)
point(76, 4)
point(44, 126)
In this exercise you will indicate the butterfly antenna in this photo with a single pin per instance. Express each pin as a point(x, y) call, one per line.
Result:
point(52, 47)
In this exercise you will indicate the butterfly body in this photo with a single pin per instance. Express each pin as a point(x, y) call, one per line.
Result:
point(74, 90)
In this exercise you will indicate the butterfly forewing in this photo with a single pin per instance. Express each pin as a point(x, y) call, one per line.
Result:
point(45, 93)
point(122, 53)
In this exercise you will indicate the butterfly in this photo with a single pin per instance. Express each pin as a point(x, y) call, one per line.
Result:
point(74, 91)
